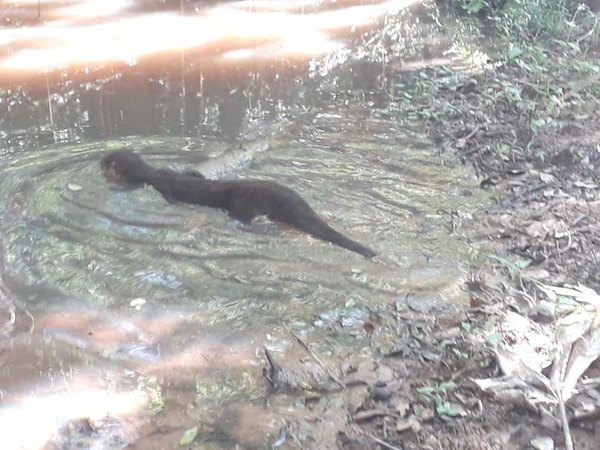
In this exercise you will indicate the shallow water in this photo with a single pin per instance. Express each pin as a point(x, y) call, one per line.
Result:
point(70, 231)
point(129, 280)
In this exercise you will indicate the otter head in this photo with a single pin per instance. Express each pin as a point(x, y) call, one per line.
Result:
point(125, 167)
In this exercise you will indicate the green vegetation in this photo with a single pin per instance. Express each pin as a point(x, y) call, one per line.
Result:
point(514, 268)
point(533, 72)
point(436, 394)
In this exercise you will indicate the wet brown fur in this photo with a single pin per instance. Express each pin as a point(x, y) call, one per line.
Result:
point(242, 199)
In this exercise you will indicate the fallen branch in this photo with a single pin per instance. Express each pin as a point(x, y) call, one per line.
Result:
point(316, 358)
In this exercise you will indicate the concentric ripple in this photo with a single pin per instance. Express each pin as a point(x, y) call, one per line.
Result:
point(68, 233)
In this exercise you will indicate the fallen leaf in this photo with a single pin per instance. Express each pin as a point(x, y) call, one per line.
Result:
point(449, 409)
point(402, 406)
point(536, 273)
point(542, 443)
point(188, 436)
point(546, 177)
point(408, 424)
point(356, 398)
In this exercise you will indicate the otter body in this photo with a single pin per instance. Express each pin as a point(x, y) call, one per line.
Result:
point(242, 199)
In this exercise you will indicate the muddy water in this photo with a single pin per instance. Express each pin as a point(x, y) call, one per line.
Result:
point(152, 306)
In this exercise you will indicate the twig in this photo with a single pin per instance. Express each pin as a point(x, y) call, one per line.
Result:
point(579, 219)
point(384, 444)
point(363, 416)
point(32, 327)
point(589, 33)
point(472, 133)
point(473, 150)
point(569, 243)
point(565, 422)
point(316, 358)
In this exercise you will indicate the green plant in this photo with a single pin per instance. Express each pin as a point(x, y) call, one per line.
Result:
point(515, 267)
point(435, 393)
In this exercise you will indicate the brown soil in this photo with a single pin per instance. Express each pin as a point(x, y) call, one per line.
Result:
point(547, 215)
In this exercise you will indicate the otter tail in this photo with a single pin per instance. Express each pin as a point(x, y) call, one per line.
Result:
point(319, 229)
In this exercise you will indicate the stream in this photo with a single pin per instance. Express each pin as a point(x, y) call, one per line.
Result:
point(133, 313)
point(126, 279)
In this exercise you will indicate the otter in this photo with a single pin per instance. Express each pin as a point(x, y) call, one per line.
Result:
point(241, 199)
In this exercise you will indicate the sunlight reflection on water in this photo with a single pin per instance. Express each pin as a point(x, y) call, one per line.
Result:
point(92, 32)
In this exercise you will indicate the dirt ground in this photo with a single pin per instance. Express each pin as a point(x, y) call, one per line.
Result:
point(545, 226)
point(427, 391)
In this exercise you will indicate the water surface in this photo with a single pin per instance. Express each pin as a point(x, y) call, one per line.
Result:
point(129, 280)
